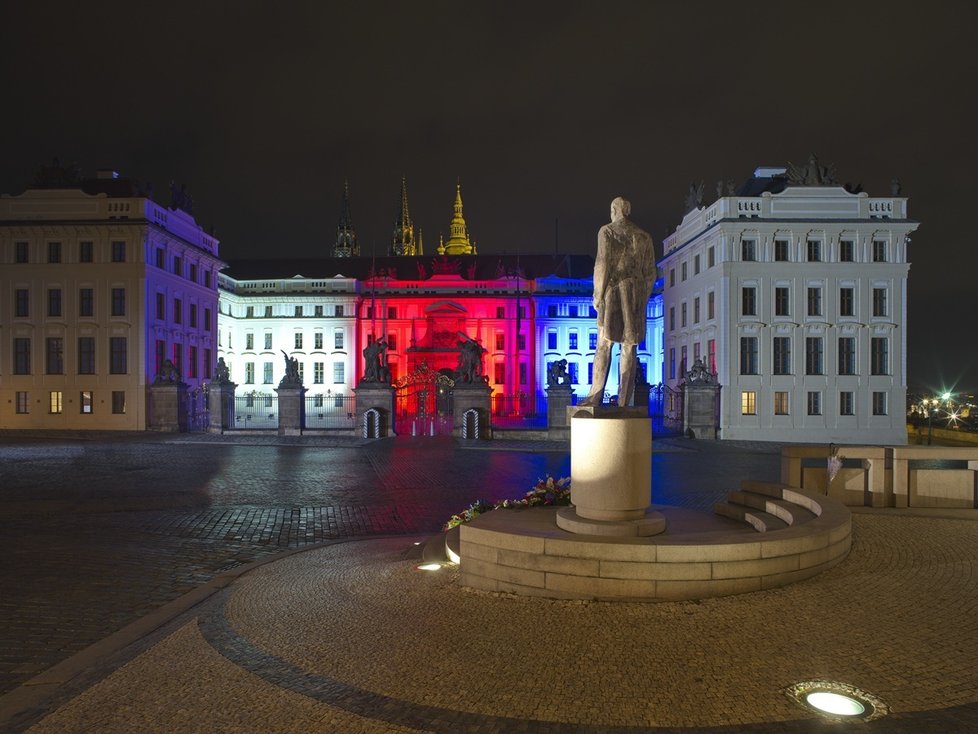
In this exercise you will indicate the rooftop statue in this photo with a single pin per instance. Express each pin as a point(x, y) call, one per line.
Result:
point(624, 274)
point(812, 174)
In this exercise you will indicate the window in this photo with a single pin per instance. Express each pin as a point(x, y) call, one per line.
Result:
point(86, 302)
point(118, 401)
point(748, 301)
point(711, 355)
point(178, 265)
point(249, 373)
point(672, 363)
point(672, 277)
point(118, 252)
point(85, 402)
point(249, 312)
point(682, 314)
point(207, 319)
point(782, 355)
point(684, 271)
point(338, 340)
point(813, 355)
point(879, 403)
point(268, 340)
point(22, 356)
point(22, 300)
point(814, 403)
point(86, 355)
point(590, 373)
point(317, 340)
point(879, 301)
point(683, 364)
point(500, 342)
point(119, 355)
point(22, 401)
point(178, 357)
point(249, 342)
point(339, 310)
point(177, 311)
point(54, 255)
point(782, 302)
point(672, 318)
point(392, 342)
point(815, 301)
point(160, 354)
point(847, 302)
point(879, 363)
point(572, 340)
point(696, 265)
point(207, 278)
point(846, 249)
point(318, 311)
point(748, 251)
point(748, 355)
point(391, 312)
point(521, 342)
point(523, 373)
point(710, 305)
point(780, 403)
point(814, 251)
point(207, 364)
point(160, 261)
point(696, 310)
point(500, 312)
point(267, 373)
point(54, 402)
point(118, 301)
point(551, 310)
point(55, 355)
point(781, 250)
point(592, 340)
point(298, 340)
point(552, 339)
point(710, 257)
point(193, 315)
point(338, 373)
point(268, 312)
point(748, 403)
point(499, 373)
point(192, 361)
point(846, 406)
point(572, 372)
point(847, 355)
point(318, 372)
point(298, 310)
point(21, 253)
point(193, 272)
point(54, 301)
point(879, 251)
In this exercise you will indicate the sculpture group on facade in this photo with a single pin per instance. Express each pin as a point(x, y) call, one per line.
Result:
point(469, 368)
point(557, 374)
point(292, 377)
point(624, 275)
point(168, 374)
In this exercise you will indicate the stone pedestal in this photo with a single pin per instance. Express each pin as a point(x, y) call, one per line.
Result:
point(291, 410)
point(220, 405)
point(642, 391)
point(611, 473)
point(700, 409)
point(471, 411)
point(558, 401)
point(375, 410)
point(169, 401)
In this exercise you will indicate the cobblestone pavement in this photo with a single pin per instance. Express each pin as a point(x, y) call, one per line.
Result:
point(101, 529)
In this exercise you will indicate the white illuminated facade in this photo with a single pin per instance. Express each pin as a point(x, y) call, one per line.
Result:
point(99, 285)
point(794, 296)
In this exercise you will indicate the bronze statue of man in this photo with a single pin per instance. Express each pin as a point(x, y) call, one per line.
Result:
point(624, 274)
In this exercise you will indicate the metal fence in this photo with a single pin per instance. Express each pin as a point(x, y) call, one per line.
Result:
point(519, 411)
point(331, 411)
point(255, 411)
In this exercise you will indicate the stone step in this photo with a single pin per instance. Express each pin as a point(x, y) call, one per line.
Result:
point(791, 513)
point(770, 489)
point(762, 522)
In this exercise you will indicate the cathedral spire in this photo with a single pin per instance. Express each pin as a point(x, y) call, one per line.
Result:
point(346, 237)
point(402, 243)
point(458, 238)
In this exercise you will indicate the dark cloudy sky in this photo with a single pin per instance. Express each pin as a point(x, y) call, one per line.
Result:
point(544, 110)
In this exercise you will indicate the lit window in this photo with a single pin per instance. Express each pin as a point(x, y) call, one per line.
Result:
point(54, 402)
point(748, 403)
point(781, 403)
point(85, 401)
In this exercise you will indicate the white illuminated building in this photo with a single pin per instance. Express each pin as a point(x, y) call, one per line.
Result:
point(793, 293)
point(99, 285)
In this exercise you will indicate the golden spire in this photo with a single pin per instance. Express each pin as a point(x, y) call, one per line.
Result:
point(402, 242)
point(420, 244)
point(458, 240)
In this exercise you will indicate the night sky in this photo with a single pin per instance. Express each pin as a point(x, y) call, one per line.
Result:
point(544, 110)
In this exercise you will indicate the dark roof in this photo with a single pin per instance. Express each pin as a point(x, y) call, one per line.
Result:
point(470, 267)
point(757, 185)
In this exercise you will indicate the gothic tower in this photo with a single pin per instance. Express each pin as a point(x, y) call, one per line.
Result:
point(458, 239)
point(346, 236)
point(403, 242)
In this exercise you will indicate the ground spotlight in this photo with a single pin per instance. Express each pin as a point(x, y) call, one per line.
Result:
point(429, 567)
point(836, 701)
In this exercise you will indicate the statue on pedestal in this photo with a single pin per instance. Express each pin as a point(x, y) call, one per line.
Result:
point(624, 275)
point(292, 377)
point(557, 374)
point(375, 363)
point(469, 360)
point(168, 373)
point(222, 375)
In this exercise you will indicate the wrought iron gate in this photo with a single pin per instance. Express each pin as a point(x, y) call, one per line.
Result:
point(423, 402)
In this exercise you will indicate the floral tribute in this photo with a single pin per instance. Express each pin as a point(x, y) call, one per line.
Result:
point(547, 491)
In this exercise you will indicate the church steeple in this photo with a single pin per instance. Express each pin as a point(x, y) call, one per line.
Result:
point(458, 238)
point(402, 243)
point(346, 236)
